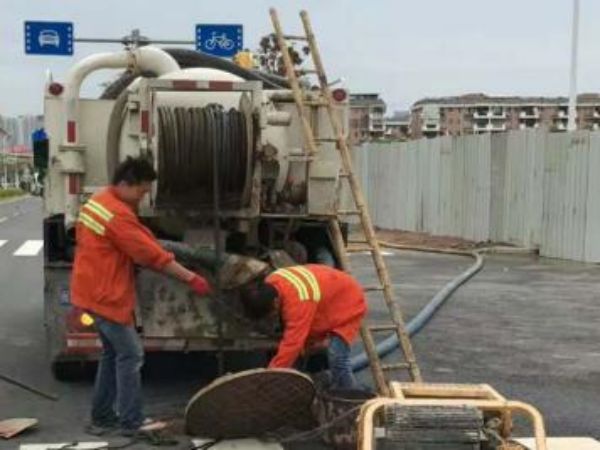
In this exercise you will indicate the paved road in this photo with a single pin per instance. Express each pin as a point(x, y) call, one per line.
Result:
point(526, 326)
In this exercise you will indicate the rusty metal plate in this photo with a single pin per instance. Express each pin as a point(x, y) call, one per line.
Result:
point(250, 404)
point(12, 427)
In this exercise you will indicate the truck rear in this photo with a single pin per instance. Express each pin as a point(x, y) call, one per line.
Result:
point(236, 189)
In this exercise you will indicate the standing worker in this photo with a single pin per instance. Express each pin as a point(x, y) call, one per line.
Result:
point(318, 305)
point(110, 242)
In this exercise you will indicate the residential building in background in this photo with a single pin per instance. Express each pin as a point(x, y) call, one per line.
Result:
point(16, 149)
point(15, 132)
point(479, 113)
point(366, 117)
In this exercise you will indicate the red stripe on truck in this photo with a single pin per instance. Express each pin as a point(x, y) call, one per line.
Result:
point(144, 121)
point(74, 184)
point(220, 85)
point(184, 85)
point(71, 131)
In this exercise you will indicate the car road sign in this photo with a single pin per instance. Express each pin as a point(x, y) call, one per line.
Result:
point(49, 38)
point(219, 40)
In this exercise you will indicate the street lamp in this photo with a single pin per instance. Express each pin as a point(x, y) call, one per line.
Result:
point(572, 124)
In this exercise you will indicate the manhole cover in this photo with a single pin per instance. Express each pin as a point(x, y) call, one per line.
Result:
point(251, 403)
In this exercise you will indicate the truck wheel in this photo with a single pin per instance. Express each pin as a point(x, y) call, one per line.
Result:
point(70, 370)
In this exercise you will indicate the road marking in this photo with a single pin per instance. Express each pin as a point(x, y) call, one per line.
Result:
point(3, 219)
point(2, 242)
point(30, 248)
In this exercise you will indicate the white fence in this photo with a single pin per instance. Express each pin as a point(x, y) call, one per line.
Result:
point(530, 188)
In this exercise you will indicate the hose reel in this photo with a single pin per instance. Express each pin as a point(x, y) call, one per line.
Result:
point(187, 139)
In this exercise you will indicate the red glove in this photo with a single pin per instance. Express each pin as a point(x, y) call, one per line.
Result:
point(199, 285)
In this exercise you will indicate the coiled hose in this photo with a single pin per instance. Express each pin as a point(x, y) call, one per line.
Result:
point(188, 138)
point(388, 345)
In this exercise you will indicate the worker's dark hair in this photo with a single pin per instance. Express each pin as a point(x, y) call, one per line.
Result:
point(134, 171)
point(259, 300)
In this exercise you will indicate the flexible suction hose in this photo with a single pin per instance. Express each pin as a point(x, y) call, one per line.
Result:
point(388, 345)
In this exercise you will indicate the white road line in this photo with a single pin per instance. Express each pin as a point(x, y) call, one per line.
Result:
point(2, 242)
point(30, 248)
point(3, 219)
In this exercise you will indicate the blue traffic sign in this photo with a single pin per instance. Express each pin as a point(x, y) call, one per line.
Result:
point(49, 38)
point(219, 40)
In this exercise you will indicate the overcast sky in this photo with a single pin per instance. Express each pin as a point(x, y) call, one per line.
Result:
point(404, 49)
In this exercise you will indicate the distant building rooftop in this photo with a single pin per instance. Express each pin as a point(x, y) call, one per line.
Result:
point(365, 99)
point(483, 99)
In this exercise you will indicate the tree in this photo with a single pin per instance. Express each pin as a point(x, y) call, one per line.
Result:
point(270, 57)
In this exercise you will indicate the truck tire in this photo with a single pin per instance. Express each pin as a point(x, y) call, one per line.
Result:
point(69, 371)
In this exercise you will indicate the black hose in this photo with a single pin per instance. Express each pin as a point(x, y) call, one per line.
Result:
point(28, 388)
point(189, 59)
point(189, 139)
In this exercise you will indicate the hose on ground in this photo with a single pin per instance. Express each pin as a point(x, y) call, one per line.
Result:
point(389, 344)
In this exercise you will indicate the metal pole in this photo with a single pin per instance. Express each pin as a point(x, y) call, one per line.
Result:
point(17, 178)
point(126, 41)
point(218, 136)
point(572, 124)
point(5, 161)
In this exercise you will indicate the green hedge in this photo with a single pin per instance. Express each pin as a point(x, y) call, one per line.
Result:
point(10, 192)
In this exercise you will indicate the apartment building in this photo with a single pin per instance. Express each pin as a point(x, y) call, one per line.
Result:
point(480, 113)
point(366, 117)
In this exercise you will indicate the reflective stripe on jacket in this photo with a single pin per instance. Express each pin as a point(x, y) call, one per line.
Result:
point(110, 242)
point(315, 301)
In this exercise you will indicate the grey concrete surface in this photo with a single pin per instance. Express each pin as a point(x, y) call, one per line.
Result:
point(527, 326)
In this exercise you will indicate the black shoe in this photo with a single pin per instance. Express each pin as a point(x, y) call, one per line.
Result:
point(96, 429)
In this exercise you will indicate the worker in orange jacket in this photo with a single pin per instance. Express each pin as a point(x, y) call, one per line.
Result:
point(110, 242)
point(317, 303)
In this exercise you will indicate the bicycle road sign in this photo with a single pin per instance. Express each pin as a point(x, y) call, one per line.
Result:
point(49, 38)
point(223, 40)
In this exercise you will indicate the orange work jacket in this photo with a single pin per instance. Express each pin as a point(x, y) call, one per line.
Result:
point(110, 242)
point(315, 301)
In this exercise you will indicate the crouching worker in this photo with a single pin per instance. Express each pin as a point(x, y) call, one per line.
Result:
point(316, 303)
point(111, 240)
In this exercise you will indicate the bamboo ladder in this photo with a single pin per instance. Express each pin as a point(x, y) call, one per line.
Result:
point(396, 323)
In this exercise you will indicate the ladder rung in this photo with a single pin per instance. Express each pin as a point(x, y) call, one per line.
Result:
point(382, 327)
point(300, 158)
point(354, 241)
point(326, 139)
point(305, 71)
point(314, 103)
point(372, 289)
point(396, 366)
point(359, 248)
point(344, 175)
point(348, 212)
point(291, 37)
